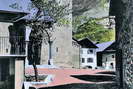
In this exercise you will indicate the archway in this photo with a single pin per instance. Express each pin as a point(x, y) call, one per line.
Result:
point(122, 10)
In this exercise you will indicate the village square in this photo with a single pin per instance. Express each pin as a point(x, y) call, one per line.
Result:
point(66, 44)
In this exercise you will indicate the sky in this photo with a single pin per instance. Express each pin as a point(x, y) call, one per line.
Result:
point(22, 4)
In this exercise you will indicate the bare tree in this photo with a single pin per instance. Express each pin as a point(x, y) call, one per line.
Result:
point(48, 13)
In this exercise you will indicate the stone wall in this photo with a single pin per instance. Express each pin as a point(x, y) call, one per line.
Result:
point(61, 47)
point(64, 54)
point(123, 10)
point(76, 54)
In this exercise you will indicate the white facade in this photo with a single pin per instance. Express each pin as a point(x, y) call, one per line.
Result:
point(88, 57)
point(108, 61)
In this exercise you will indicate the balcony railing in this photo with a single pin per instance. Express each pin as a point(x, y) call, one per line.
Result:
point(14, 45)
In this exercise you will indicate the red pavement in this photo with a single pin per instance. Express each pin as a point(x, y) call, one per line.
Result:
point(63, 76)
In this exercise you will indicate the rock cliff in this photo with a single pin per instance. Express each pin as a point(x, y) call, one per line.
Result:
point(92, 8)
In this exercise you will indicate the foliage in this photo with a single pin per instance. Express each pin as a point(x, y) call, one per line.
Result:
point(78, 20)
point(42, 20)
point(42, 29)
point(54, 9)
point(103, 3)
point(94, 31)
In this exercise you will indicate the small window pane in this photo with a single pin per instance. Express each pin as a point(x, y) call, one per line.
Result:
point(57, 49)
point(89, 59)
point(83, 60)
point(113, 56)
point(90, 51)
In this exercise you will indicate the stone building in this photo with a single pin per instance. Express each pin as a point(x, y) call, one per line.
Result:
point(64, 54)
point(62, 43)
point(123, 10)
point(76, 53)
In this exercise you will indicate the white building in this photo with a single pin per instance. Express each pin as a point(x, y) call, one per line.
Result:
point(11, 56)
point(88, 54)
point(108, 61)
point(106, 55)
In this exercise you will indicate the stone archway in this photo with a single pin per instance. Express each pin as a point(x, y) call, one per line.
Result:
point(123, 10)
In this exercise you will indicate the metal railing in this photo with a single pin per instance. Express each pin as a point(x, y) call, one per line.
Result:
point(14, 45)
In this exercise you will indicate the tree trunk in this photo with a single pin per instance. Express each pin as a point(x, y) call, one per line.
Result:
point(36, 72)
point(50, 52)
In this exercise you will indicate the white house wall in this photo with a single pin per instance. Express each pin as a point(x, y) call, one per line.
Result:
point(16, 66)
point(85, 55)
point(107, 60)
point(4, 48)
point(4, 29)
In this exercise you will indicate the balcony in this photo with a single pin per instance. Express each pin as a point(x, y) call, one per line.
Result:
point(12, 47)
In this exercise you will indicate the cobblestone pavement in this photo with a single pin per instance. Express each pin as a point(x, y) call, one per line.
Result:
point(63, 79)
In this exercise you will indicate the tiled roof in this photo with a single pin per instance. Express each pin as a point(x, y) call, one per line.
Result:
point(103, 46)
point(87, 43)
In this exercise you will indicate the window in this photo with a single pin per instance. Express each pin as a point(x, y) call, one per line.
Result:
point(83, 60)
point(89, 60)
point(57, 49)
point(90, 51)
point(106, 59)
point(81, 51)
point(113, 56)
